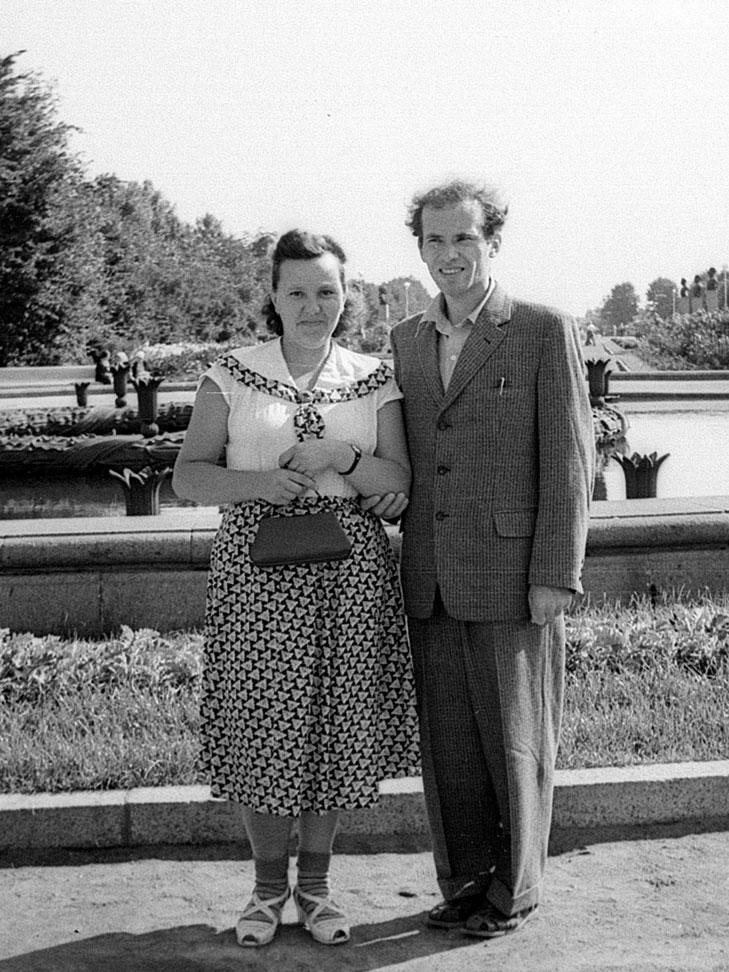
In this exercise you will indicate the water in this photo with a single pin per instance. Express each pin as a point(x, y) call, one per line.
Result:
point(697, 440)
point(41, 497)
point(695, 434)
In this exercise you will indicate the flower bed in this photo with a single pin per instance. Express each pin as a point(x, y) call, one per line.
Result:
point(93, 420)
point(64, 454)
point(645, 683)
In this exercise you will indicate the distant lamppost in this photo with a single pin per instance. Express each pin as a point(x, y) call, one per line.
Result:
point(673, 299)
point(406, 285)
point(362, 289)
point(384, 298)
point(725, 269)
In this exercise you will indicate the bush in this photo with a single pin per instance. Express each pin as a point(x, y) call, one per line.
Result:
point(698, 341)
point(34, 669)
point(691, 637)
point(186, 360)
point(645, 683)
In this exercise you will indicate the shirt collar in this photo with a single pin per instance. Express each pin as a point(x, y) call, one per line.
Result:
point(435, 312)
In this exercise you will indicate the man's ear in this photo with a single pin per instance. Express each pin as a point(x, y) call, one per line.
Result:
point(494, 244)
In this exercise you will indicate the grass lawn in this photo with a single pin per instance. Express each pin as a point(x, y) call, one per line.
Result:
point(645, 683)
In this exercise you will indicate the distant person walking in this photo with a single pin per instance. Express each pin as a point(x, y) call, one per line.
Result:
point(591, 333)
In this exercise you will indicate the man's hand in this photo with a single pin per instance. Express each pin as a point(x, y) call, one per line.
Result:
point(547, 603)
point(388, 507)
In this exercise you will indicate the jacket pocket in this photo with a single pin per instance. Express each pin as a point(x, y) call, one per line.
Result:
point(515, 523)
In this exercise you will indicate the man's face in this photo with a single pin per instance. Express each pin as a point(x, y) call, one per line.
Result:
point(455, 251)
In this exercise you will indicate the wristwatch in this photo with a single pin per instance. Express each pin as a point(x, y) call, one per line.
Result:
point(355, 462)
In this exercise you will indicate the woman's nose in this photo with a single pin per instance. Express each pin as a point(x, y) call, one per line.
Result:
point(313, 303)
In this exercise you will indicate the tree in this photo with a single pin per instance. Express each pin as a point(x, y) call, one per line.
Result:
point(660, 295)
point(37, 170)
point(109, 263)
point(407, 296)
point(226, 281)
point(165, 280)
point(619, 308)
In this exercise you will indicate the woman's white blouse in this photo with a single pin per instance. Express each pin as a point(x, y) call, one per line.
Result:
point(264, 400)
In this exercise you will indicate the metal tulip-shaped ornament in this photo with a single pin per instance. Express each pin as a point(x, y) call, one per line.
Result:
point(141, 489)
point(146, 386)
point(119, 375)
point(641, 474)
point(598, 379)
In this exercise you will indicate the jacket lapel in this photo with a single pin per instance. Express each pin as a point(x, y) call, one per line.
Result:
point(426, 340)
point(488, 333)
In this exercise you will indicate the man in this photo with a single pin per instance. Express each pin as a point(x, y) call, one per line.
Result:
point(500, 437)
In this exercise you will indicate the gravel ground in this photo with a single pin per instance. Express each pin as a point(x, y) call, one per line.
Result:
point(643, 906)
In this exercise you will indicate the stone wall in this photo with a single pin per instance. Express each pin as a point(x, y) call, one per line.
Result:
point(91, 575)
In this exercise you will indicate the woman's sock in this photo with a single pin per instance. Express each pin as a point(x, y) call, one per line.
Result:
point(269, 839)
point(313, 873)
point(272, 878)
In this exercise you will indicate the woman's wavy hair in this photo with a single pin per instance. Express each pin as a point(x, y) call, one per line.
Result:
point(493, 205)
point(300, 245)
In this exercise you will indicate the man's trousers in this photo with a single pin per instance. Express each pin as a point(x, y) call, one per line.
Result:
point(490, 705)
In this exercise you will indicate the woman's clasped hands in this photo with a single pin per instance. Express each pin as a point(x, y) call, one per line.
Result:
point(282, 486)
point(297, 470)
point(314, 455)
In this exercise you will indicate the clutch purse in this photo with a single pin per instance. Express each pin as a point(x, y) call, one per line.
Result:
point(307, 538)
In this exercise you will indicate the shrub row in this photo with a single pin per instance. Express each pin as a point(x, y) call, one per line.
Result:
point(693, 638)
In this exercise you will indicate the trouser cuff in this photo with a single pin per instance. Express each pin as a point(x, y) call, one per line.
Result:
point(451, 888)
point(507, 902)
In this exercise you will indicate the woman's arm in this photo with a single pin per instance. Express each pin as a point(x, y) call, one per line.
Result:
point(197, 475)
point(385, 471)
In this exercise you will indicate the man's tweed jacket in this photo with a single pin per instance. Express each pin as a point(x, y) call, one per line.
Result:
point(502, 462)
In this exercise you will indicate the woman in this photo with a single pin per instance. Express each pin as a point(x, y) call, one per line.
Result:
point(308, 698)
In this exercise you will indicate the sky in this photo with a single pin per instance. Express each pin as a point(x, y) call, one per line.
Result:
point(605, 122)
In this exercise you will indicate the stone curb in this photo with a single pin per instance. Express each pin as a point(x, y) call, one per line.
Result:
point(589, 806)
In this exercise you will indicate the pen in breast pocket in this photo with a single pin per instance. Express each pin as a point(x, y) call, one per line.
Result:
point(501, 386)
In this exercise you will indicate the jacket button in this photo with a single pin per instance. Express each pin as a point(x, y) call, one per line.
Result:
point(442, 470)
point(441, 515)
point(442, 424)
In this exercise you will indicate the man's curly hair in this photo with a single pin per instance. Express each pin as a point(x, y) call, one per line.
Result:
point(493, 205)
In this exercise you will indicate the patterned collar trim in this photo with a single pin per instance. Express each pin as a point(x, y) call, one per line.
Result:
point(325, 396)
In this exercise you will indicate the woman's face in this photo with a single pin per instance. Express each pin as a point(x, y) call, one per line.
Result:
point(309, 299)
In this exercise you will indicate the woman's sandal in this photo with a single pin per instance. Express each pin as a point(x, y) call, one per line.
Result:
point(260, 920)
point(321, 918)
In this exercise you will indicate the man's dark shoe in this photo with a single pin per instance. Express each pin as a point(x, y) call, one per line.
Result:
point(453, 914)
point(489, 922)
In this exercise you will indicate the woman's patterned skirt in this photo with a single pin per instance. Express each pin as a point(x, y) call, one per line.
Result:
point(308, 697)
